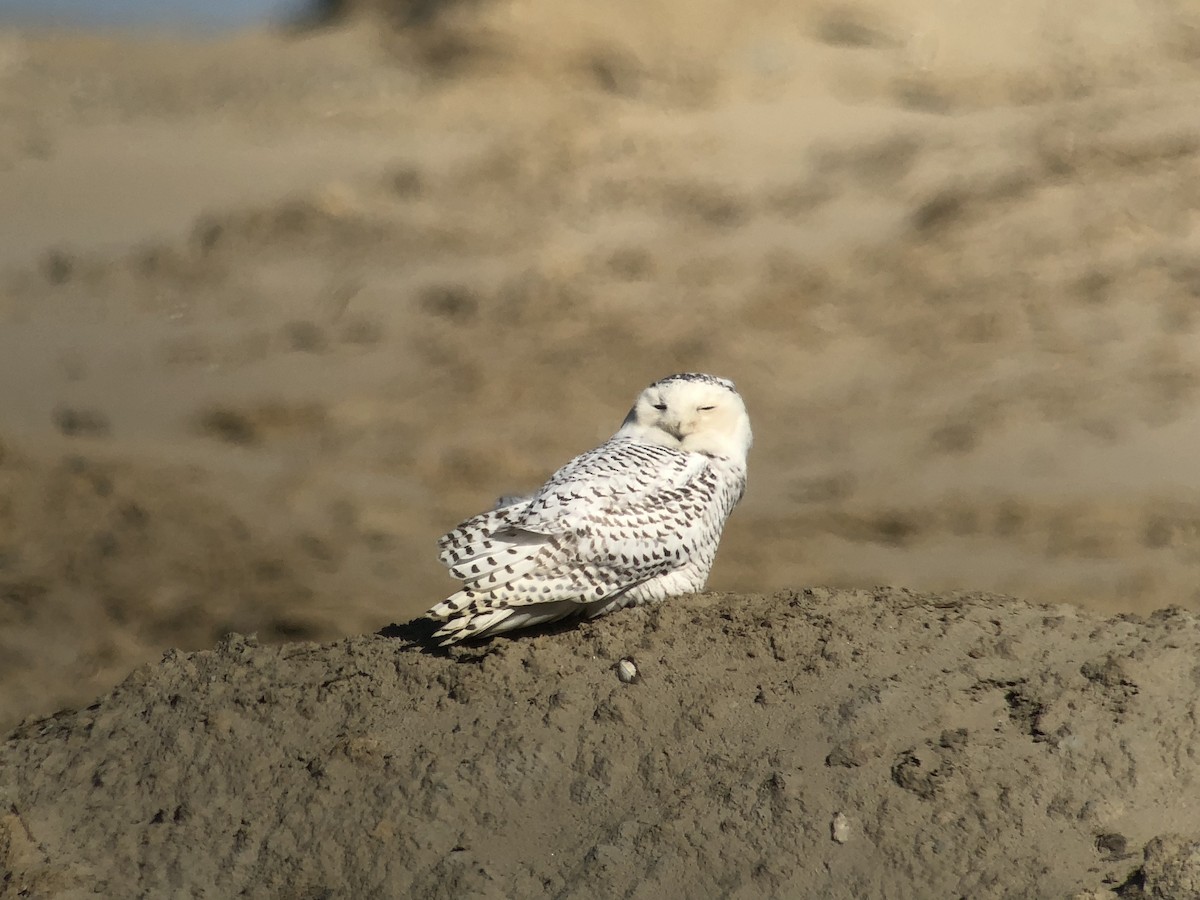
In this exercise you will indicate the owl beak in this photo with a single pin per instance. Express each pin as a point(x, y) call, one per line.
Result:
point(675, 429)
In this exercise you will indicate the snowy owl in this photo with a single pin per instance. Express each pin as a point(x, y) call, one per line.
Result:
point(633, 521)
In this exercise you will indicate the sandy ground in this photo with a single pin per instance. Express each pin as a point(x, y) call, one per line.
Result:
point(846, 745)
point(278, 309)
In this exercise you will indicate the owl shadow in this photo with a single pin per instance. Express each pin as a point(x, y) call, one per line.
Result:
point(418, 634)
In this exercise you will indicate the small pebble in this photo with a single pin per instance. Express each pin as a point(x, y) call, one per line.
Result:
point(627, 671)
point(839, 828)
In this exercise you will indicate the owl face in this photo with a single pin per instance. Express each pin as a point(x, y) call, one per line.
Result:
point(695, 413)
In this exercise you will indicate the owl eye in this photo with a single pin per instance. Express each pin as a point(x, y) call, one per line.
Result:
point(705, 407)
point(661, 406)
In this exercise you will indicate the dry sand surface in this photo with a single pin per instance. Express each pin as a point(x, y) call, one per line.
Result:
point(847, 745)
point(278, 309)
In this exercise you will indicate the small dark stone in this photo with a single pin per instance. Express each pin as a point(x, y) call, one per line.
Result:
point(1112, 844)
point(848, 755)
point(954, 739)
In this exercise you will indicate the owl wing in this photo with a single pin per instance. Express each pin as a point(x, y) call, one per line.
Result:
point(627, 512)
point(621, 478)
point(605, 522)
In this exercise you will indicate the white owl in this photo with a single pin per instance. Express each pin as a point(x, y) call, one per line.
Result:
point(633, 521)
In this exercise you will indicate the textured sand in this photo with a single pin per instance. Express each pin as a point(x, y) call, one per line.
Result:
point(968, 746)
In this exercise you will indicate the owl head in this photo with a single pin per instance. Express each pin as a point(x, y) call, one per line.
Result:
point(692, 412)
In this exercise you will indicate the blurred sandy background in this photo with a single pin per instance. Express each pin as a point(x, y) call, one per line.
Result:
point(278, 307)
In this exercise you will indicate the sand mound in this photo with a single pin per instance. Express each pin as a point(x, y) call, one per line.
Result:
point(834, 744)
